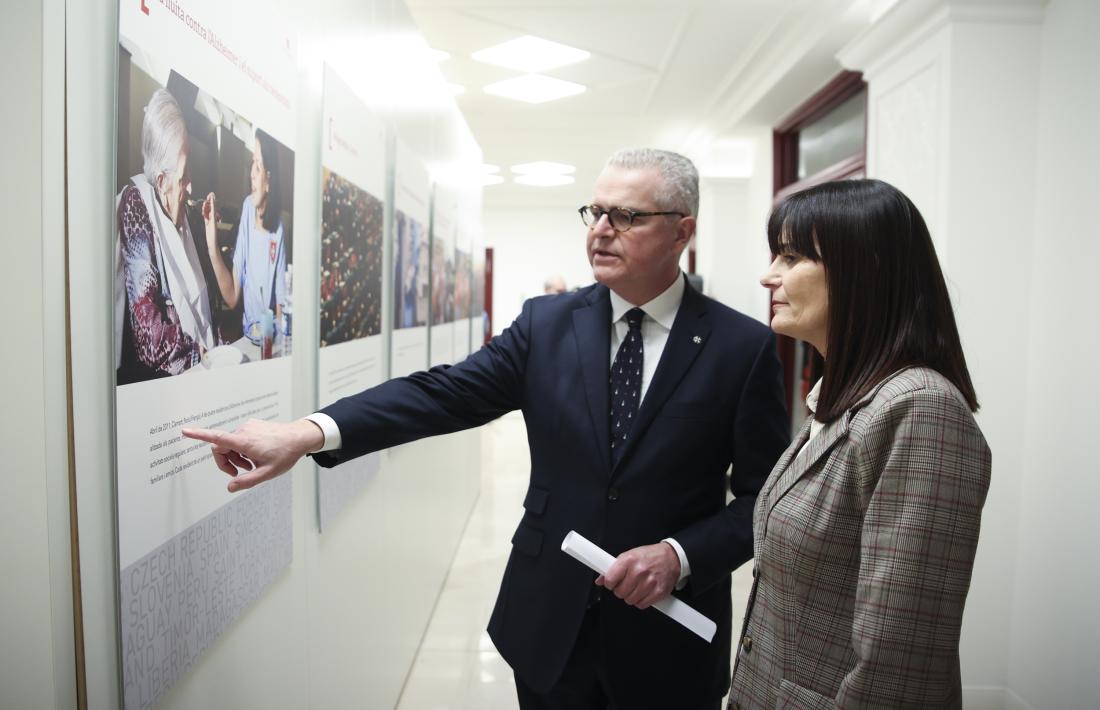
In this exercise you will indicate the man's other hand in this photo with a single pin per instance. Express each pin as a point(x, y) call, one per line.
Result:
point(259, 450)
point(644, 575)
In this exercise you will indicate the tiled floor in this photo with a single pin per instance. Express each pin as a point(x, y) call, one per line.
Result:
point(457, 667)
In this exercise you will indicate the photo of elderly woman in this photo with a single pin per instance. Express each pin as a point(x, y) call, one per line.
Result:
point(162, 311)
point(200, 282)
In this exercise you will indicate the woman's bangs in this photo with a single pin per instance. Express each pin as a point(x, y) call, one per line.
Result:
point(791, 228)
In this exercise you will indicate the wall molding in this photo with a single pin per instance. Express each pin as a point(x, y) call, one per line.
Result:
point(912, 22)
point(977, 697)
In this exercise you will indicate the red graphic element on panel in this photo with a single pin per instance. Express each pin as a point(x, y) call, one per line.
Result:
point(272, 251)
point(144, 8)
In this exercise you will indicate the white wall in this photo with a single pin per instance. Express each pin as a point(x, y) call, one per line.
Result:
point(529, 245)
point(340, 628)
point(37, 660)
point(1055, 625)
point(985, 114)
point(731, 244)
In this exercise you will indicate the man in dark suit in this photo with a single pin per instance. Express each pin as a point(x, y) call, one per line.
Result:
point(638, 393)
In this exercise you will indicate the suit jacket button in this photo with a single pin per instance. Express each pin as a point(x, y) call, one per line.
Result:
point(746, 644)
point(755, 571)
point(613, 494)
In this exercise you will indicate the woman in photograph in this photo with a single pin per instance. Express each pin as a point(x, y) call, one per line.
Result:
point(259, 260)
point(866, 529)
point(162, 310)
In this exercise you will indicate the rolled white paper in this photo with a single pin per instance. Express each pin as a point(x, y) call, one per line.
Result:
point(592, 556)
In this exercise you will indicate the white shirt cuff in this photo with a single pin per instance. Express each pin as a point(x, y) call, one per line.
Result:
point(685, 568)
point(330, 430)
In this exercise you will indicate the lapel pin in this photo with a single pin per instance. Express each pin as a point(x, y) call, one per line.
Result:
point(696, 340)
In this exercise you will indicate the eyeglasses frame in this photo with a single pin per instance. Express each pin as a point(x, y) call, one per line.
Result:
point(631, 212)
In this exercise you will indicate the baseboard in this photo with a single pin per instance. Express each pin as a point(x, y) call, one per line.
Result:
point(992, 698)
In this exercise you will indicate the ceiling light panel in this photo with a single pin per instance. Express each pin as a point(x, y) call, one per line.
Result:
point(531, 54)
point(534, 88)
point(543, 167)
point(544, 180)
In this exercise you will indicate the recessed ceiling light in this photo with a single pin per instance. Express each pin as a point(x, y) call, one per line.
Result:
point(456, 89)
point(534, 88)
point(543, 167)
point(544, 180)
point(531, 54)
point(488, 168)
point(438, 55)
point(490, 179)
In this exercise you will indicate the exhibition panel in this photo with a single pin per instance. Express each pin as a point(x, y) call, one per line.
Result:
point(352, 357)
point(411, 293)
point(463, 292)
point(203, 259)
point(442, 308)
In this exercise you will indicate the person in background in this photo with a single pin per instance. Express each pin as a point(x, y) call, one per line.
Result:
point(867, 527)
point(554, 285)
point(259, 260)
point(162, 309)
point(638, 393)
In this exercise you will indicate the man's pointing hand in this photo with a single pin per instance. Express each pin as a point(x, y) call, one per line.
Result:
point(259, 450)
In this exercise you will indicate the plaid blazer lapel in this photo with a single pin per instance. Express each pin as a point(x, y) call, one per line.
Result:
point(801, 462)
point(760, 512)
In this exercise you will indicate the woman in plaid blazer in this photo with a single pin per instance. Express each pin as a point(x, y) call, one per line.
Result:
point(866, 529)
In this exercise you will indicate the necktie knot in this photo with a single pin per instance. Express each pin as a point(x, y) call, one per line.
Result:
point(633, 318)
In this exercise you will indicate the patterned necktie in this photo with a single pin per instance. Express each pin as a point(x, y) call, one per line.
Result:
point(626, 383)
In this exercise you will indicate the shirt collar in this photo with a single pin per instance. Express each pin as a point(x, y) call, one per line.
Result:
point(811, 398)
point(662, 309)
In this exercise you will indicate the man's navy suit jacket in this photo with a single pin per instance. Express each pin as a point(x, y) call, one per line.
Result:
point(715, 399)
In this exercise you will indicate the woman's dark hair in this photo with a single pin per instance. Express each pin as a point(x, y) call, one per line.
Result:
point(270, 155)
point(888, 302)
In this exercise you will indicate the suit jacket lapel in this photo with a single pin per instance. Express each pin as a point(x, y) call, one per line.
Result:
point(592, 328)
point(689, 335)
point(793, 467)
point(800, 463)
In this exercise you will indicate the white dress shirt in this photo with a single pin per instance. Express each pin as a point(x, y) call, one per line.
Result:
point(660, 313)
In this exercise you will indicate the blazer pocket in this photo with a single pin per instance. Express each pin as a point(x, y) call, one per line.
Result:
point(535, 502)
point(527, 540)
point(792, 695)
point(688, 410)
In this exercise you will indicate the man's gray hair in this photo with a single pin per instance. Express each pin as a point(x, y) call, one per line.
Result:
point(162, 135)
point(679, 178)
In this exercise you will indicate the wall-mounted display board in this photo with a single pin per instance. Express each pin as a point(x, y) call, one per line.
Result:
point(442, 309)
point(463, 294)
point(203, 289)
point(352, 357)
point(478, 311)
point(411, 247)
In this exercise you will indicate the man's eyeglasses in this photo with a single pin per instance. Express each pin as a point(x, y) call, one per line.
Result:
point(621, 218)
